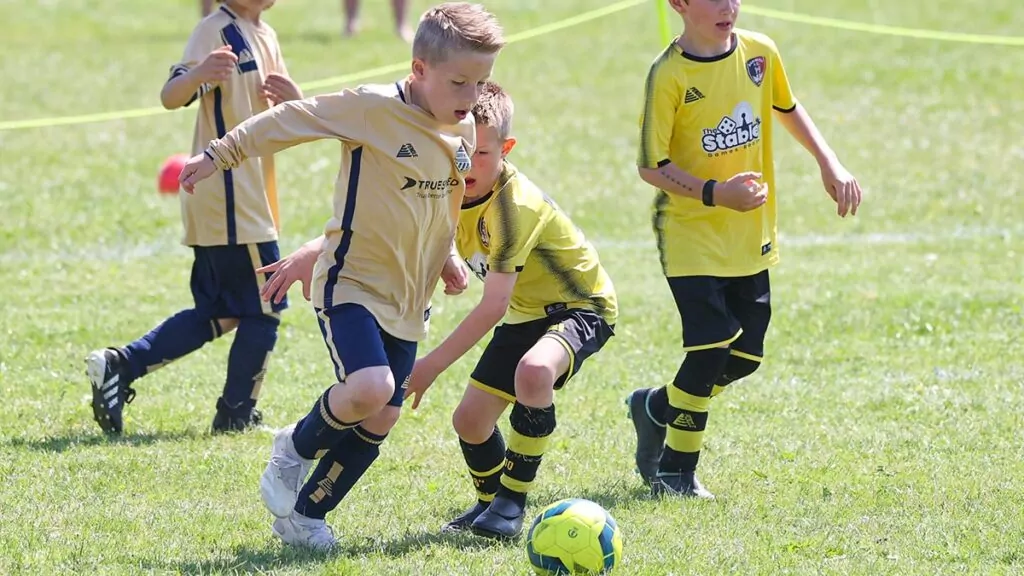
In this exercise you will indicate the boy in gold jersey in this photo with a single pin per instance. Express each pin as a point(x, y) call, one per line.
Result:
point(559, 307)
point(706, 145)
point(405, 148)
point(234, 69)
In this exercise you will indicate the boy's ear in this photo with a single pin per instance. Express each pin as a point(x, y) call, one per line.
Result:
point(507, 146)
point(679, 6)
point(419, 68)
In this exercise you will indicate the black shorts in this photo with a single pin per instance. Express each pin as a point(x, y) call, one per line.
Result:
point(225, 283)
point(719, 312)
point(582, 332)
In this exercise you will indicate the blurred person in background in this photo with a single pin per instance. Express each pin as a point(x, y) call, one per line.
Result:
point(400, 8)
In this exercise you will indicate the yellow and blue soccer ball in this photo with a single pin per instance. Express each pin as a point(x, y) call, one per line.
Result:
point(574, 536)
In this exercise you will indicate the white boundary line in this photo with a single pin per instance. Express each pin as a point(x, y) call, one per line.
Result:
point(119, 252)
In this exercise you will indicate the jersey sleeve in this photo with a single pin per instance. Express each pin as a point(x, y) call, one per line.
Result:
point(279, 65)
point(514, 230)
point(204, 39)
point(662, 97)
point(782, 94)
point(341, 115)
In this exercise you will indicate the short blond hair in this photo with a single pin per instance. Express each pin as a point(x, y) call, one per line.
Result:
point(453, 27)
point(494, 108)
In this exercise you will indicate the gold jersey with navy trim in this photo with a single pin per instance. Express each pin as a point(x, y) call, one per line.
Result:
point(396, 198)
point(712, 118)
point(240, 205)
point(517, 228)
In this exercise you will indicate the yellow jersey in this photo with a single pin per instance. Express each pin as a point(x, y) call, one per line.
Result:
point(396, 199)
point(517, 228)
point(712, 118)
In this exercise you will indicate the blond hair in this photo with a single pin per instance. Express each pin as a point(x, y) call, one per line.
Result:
point(453, 27)
point(494, 108)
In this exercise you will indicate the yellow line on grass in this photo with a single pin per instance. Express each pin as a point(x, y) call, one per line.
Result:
point(544, 29)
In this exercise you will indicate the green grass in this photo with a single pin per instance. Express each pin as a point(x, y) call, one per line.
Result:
point(882, 436)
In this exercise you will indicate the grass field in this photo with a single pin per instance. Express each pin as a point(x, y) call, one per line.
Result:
point(882, 436)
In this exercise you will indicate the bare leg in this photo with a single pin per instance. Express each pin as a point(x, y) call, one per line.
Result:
point(400, 8)
point(351, 17)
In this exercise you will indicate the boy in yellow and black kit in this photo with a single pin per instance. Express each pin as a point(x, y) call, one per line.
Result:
point(233, 67)
point(559, 308)
point(706, 145)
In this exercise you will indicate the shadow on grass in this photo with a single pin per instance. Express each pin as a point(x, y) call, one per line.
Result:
point(608, 496)
point(260, 560)
point(78, 440)
point(244, 560)
point(412, 542)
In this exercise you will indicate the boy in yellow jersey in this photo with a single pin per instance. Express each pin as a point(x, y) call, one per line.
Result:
point(561, 308)
point(233, 67)
point(706, 145)
point(405, 150)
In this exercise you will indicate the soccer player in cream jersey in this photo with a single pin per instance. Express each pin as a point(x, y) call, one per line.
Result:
point(706, 144)
point(405, 148)
point(559, 307)
point(234, 69)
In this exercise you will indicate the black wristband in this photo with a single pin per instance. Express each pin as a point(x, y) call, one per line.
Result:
point(208, 154)
point(708, 193)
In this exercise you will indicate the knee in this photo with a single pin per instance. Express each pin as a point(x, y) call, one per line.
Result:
point(262, 322)
point(533, 422)
point(262, 328)
point(469, 426)
point(737, 368)
point(534, 377)
point(371, 389)
point(700, 370)
point(382, 422)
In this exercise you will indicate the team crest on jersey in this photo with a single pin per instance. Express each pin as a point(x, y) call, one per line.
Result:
point(462, 161)
point(756, 68)
point(739, 130)
point(481, 228)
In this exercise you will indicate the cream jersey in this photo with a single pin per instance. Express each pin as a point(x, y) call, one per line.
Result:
point(239, 206)
point(396, 199)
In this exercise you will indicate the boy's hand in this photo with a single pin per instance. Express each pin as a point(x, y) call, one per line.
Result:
point(217, 67)
point(277, 88)
point(197, 168)
point(296, 267)
point(455, 276)
point(423, 375)
point(842, 187)
point(742, 192)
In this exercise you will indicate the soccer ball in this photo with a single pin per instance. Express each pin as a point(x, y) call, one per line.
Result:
point(574, 536)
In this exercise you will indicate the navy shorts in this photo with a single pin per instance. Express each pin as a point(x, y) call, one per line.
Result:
point(356, 341)
point(722, 312)
point(225, 283)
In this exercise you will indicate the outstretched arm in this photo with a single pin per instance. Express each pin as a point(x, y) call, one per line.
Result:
point(483, 318)
point(286, 125)
point(340, 115)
